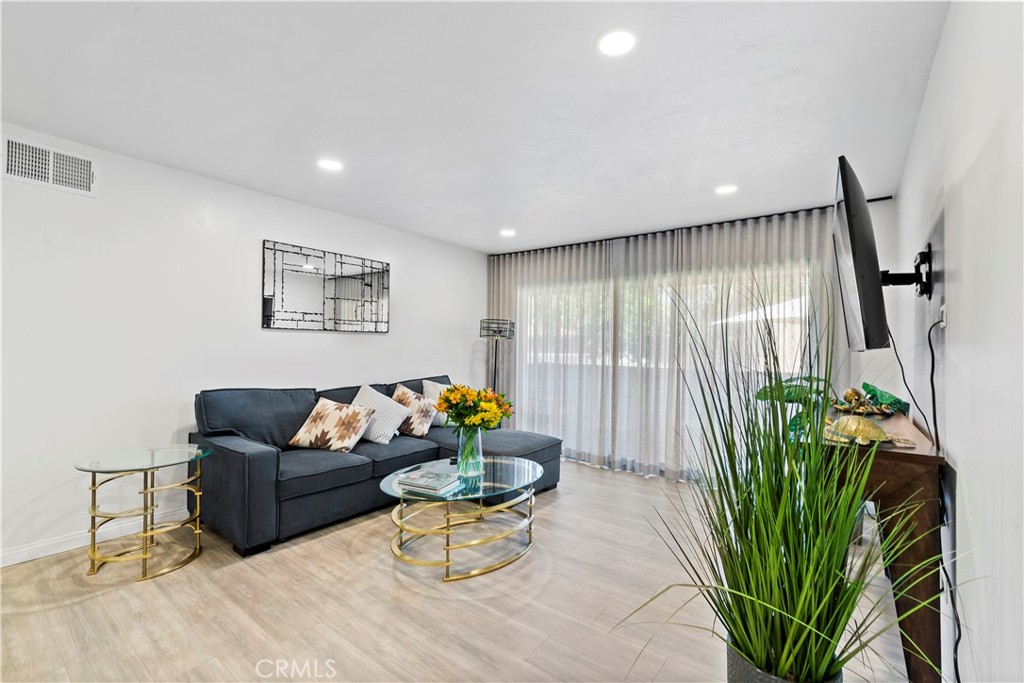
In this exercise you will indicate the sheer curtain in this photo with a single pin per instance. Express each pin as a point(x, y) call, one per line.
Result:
point(601, 348)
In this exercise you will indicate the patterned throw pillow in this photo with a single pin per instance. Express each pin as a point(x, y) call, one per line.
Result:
point(387, 414)
point(423, 411)
point(332, 427)
point(432, 391)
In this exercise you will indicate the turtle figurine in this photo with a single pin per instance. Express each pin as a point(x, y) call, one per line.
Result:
point(855, 428)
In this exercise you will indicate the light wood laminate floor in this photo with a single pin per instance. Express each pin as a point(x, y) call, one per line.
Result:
point(335, 605)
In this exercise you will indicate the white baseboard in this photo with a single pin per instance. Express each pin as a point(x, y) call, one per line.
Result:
point(80, 539)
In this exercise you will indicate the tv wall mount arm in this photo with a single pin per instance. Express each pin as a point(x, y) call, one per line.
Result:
point(921, 278)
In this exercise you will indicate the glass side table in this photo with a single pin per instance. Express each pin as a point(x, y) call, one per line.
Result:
point(145, 462)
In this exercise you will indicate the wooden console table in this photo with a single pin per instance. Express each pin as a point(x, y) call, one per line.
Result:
point(911, 475)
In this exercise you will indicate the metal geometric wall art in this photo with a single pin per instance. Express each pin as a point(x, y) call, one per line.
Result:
point(311, 289)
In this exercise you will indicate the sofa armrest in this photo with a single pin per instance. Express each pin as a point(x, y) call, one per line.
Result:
point(240, 489)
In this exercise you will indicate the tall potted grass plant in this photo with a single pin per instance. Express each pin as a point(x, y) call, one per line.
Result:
point(767, 537)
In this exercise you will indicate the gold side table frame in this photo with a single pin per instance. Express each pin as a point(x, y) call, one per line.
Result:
point(407, 533)
point(150, 529)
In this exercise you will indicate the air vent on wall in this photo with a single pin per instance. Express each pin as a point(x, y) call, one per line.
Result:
point(42, 165)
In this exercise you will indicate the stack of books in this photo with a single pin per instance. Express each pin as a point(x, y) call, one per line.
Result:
point(430, 483)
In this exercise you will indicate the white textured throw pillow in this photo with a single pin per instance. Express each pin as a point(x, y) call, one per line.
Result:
point(432, 391)
point(387, 414)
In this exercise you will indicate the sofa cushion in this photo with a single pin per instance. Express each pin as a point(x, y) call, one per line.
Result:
point(387, 416)
point(346, 394)
point(537, 447)
point(332, 426)
point(305, 471)
point(416, 384)
point(270, 416)
point(403, 451)
point(422, 415)
point(432, 391)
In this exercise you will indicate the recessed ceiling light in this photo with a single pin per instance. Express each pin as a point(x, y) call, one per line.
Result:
point(616, 43)
point(330, 164)
point(725, 189)
point(508, 232)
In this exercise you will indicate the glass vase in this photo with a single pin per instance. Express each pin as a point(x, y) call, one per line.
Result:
point(471, 452)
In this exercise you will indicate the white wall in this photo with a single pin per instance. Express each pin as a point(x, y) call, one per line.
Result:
point(117, 309)
point(963, 176)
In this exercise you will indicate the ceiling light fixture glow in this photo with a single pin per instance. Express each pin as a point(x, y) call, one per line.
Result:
point(508, 232)
point(616, 43)
point(725, 189)
point(330, 164)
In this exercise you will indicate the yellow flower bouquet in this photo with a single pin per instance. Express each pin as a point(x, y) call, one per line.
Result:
point(472, 412)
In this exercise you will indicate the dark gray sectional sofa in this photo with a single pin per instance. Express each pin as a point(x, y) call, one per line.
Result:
point(257, 489)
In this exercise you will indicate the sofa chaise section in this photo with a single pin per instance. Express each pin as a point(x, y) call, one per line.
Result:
point(546, 450)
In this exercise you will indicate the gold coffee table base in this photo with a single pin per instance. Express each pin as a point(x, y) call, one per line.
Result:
point(407, 533)
point(150, 530)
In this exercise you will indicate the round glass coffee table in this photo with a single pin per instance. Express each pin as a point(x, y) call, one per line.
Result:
point(465, 505)
point(145, 462)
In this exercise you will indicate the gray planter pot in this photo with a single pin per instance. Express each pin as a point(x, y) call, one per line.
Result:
point(739, 670)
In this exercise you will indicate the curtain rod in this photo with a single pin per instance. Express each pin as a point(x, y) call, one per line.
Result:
point(688, 227)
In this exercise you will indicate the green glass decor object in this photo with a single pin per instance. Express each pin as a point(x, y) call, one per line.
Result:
point(800, 390)
point(884, 398)
point(792, 390)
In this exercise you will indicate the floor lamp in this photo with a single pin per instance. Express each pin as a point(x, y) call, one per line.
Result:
point(496, 329)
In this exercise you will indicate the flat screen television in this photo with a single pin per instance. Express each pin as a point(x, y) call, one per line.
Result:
point(860, 281)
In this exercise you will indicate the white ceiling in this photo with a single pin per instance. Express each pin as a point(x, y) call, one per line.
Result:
point(457, 120)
